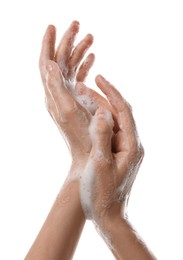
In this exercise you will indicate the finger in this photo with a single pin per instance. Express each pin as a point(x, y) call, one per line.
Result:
point(113, 95)
point(124, 114)
point(79, 52)
point(122, 108)
point(55, 83)
point(101, 133)
point(85, 68)
point(47, 50)
point(66, 45)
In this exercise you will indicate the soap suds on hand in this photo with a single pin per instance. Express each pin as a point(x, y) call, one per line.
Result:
point(87, 102)
point(86, 189)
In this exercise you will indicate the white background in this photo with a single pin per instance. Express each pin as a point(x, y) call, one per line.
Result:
point(139, 48)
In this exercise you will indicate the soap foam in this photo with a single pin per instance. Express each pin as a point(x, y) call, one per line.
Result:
point(86, 102)
point(86, 189)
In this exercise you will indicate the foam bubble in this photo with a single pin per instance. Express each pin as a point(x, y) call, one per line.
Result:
point(86, 189)
point(87, 103)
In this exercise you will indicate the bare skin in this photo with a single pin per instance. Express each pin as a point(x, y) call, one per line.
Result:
point(65, 220)
point(113, 174)
point(60, 67)
point(119, 146)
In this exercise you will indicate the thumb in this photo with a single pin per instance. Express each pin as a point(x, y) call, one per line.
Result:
point(101, 133)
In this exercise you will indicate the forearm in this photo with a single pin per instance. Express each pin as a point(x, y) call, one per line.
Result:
point(124, 241)
point(60, 233)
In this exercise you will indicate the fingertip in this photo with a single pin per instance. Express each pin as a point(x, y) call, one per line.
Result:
point(75, 22)
point(100, 111)
point(51, 32)
point(91, 57)
point(88, 62)
point(99, 79)
point(106, 115)
point(51, 27)
point(89, 38)
point(74, 27)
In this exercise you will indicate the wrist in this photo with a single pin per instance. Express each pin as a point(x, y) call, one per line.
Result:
point(78, 163)
point(111, 217)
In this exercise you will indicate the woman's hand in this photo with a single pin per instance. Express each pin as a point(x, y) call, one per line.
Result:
point(70, 107)
point(60, 233)
point(107, 179)
point(110, 171)
point(60, 71)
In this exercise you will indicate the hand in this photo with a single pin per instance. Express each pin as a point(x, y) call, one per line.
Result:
point(66, 72)
point(64, 108)
point(59, 72)
point(108, 176)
